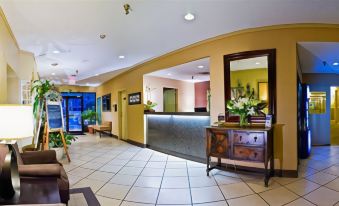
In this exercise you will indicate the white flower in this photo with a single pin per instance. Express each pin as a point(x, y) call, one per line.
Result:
point(251, 111)
point(244, 100)
point(239, 105)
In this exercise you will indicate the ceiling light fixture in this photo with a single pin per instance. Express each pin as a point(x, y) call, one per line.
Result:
point(200, 66)
point(53, 74)
point(189, 17)
point(335, 64)
point(121, 57)
point(169, 74)
point(96, 74)
point(54, 64)
point(56, 52)
point(102, 36)
point(257, 63)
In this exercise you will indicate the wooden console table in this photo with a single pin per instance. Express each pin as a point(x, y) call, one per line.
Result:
point(250, 144)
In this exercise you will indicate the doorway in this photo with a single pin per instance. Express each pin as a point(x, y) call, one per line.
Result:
point(122, 95)
point(334, 116)
point(170, 100)
point(72, 108)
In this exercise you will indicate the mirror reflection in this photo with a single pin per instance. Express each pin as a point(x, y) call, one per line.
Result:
point(249, 78)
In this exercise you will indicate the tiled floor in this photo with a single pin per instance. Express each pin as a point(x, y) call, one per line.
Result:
point(126, 175)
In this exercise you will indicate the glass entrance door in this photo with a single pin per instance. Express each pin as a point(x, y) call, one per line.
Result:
point(74, 121)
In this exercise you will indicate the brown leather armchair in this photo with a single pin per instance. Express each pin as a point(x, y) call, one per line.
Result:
point(40, 164)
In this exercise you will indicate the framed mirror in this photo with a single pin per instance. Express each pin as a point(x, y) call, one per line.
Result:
point(251, 74)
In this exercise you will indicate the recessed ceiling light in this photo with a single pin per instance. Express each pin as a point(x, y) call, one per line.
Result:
point(335, 64)
point(56, 52)
point(53, 74)
point(102, 36)
point(54, 64)
point(189, 17)
point(257, 63)
point(169, 74)
point(200, 66)
point(96, 74)
point(121, 57)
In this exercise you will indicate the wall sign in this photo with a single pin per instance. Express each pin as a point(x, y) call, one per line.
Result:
point(54, 116)
point(134, 98)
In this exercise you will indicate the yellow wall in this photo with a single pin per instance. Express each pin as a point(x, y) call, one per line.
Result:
point(249, 76)
point(22, 63)
point(283, 38)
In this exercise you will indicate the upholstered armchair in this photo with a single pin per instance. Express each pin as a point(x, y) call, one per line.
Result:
point(40, 164)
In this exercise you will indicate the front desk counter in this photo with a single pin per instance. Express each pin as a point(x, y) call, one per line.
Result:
point(178, 133)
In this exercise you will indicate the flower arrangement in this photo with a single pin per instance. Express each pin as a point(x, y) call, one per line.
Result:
point(149, 106)
point(245, 107)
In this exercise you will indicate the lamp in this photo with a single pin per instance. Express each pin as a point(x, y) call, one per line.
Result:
point(16, 122)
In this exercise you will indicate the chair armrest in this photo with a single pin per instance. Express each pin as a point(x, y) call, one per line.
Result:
point(39, 157)
point(40, 170)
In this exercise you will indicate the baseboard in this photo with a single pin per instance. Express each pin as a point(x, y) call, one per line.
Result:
point(138, 144)
point(188, 157)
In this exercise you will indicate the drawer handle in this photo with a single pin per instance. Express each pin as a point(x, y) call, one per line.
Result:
point(255, 139)
point(240, 138)
point(255, 155)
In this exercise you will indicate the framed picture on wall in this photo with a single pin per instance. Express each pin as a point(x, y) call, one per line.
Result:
point(134, 98)
point(106, 103)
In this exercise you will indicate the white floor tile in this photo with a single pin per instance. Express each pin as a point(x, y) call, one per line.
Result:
point(148, 182)
point(235, 190)
point(253, 200)
point(114, 191)
point(174, 196)
point(323, 197)
point(279, 196)
point(143, 195)
point(104, 201)
point(124, 179)
point(175, 182)
point(206, 194)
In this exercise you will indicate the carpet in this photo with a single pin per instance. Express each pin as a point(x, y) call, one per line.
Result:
point(82, 196)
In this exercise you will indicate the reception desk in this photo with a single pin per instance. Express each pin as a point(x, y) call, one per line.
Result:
point(179, 133)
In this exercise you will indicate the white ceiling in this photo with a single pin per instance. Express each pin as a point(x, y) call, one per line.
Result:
point(318, 57)
point(250, 63)
point(184, 72)
point(152, 28)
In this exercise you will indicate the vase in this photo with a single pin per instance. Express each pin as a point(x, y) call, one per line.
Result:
point(243, 122)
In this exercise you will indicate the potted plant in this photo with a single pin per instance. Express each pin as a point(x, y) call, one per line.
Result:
point(148, 107)
point(89, 117)
point(55, 143)
point(245, 107)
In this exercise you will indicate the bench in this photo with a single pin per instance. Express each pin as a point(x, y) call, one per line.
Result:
point(104, 128)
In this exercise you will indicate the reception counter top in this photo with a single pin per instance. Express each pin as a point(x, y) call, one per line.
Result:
point(179, 113)
point(178, 133)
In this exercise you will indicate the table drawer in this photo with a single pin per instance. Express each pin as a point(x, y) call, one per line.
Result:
point(249, 153)
point(252, 138)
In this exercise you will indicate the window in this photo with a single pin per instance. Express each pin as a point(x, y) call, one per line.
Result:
point(106, 103)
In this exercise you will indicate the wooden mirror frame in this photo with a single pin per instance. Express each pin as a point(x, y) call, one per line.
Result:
point(271, 60)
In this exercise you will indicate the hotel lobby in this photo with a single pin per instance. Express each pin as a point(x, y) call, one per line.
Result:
point(191, 102)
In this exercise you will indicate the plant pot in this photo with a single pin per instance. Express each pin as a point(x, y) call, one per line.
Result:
point(90, 129)
point(60, 153)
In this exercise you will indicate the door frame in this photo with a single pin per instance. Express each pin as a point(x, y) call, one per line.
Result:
point(120, 113)
point(67, 114)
